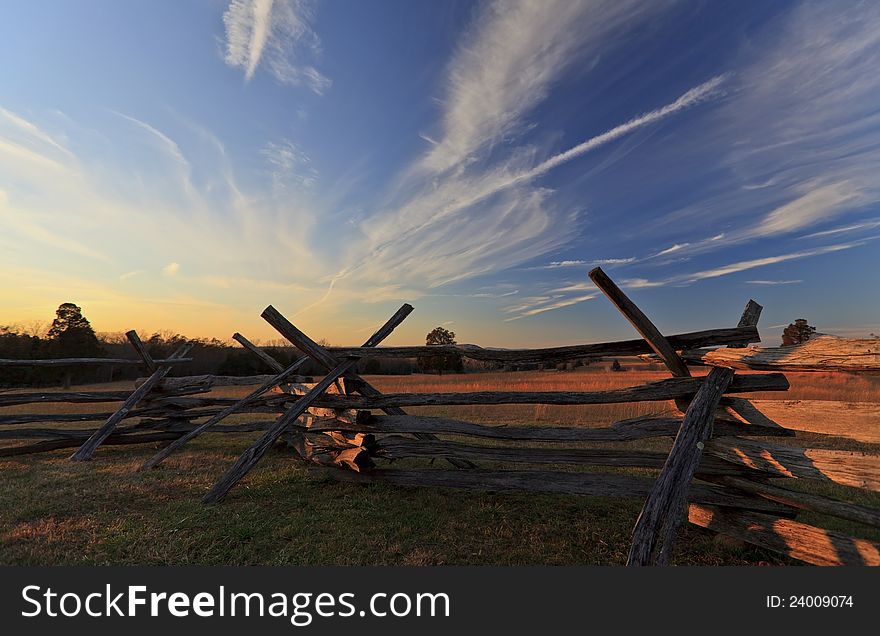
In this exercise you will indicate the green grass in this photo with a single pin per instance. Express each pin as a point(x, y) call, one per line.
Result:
point(102, 512)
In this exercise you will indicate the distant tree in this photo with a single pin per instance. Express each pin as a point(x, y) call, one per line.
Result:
point(797, 332)
point(15, 343)
point(615, 366)
point(162, 344)
point(239, 363)
point(440, 336)
point(72, 334)
point(440, 363)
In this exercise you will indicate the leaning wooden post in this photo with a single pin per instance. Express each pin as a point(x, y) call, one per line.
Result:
point(141, 350)
point(265, 357)
point(268, 360)
point(277, 380)
point(252, 455)
point(640, 321)
point(664, 507)
point(644, 326)
point(324, 358)
point(88, 448)
point(750, 316)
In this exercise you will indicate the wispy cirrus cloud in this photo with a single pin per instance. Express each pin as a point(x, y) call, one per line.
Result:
point(819, 203)
point(488, 219)
point(275, 33)
point(543, 306)
point(581, 263)
point(34, 132)
point(564, 296)
point(742, 266)
point(510, 59)
point(87, 214)
point(799, 136)
point(289, 165)
point(855, 227)
point(774, 282)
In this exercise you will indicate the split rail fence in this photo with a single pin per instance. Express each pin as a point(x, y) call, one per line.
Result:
point(729, 469)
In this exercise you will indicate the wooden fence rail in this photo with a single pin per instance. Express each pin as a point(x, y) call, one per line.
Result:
point(726, 448)
point(691, 340)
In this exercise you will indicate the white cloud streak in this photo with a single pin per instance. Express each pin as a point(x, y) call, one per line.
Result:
point(508, 62)
point(526, 311)
point(35, 132)
point(774, 282)
point(742, 266)
point(447, 213)
point(819, 203)
point(799, 137)
point(276, 33)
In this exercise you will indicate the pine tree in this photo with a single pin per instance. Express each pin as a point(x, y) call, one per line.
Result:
point(71, 334)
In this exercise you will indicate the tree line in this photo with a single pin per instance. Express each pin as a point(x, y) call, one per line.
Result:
point(71, 336)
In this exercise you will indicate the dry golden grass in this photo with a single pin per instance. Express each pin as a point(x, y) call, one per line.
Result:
point(804, 386)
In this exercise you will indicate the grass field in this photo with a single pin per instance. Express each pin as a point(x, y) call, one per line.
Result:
point(53, 511)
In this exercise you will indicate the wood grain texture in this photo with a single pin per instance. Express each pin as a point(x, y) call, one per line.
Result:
point(252, 455)
point(859, 470)
point(268, 360)
point(284, 379)
point(237, 406)
point(642, 324)
point(690, 340)
point(822, 353)
point(859, 421)
point(664, 508)
point(398, 447)
point(141, 350)
point(786, 536)
point(661, 390)
point(318, 353)
point(113, 439)
point(89, 447)
point(806, 501)
point(622, 431)
point(67, 362)
point(208, 382)
point(750, 317)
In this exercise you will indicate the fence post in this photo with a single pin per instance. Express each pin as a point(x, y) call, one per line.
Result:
point(88, 448)
point(252, 455)
point(664, 508)
point(324, 358)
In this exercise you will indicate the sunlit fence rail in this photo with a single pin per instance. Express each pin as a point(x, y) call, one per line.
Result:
point(730, 468)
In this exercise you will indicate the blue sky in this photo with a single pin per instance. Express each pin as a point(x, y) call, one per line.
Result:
point(179, 165)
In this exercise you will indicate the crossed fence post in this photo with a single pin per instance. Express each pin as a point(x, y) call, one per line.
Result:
point(159, 372)
point(277, 380)
point(664, 509)
point(328, 361)
point(252, 455)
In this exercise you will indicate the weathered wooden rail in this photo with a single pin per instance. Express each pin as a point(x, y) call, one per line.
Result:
point(726, 448)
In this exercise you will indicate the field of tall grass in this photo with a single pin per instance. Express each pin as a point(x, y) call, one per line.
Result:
point(804, 386)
